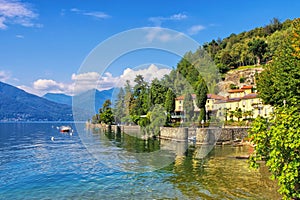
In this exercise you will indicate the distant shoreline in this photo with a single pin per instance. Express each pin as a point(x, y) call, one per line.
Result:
point(41, 122)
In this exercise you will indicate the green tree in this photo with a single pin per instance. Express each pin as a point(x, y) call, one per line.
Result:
point(185, 67)
point(231, 114)
point(277, 140)
point(258, 47)
point(201, 97)
point(170, 103)
point(157, 92)
point(127, 97)
point(181, 85)
point(280, 81)
point(140, 103)
point(95, 119)
point(278, 144)
point(238, 113)
point(274, 25)
point(119, 110)
point(248, 113)
point(157, 119)
point(106, 114)
point(188, 107)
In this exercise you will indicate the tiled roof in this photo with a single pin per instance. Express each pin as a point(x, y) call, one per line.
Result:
point(235, 91)
point(247, 87)
point(209, 96)
point(180, 98)
point(214, 96)
point(250, 96)
point(233, 99)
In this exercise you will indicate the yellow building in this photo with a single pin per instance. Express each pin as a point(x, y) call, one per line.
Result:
point(249, 103)
point(239, 99)
point(210, 104)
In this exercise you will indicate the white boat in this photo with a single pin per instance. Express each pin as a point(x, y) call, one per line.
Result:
point(65, 129)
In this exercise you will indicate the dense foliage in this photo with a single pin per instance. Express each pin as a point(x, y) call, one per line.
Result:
point(278, 143)
point(201, 97)
point(277, 139)
point(247, 48)
point(105, 114)
point(188, 107)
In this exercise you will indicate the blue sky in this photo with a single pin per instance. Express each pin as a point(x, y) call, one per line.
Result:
point(43, 43)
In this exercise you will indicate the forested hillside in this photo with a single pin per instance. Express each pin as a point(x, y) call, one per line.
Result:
point(252, 47)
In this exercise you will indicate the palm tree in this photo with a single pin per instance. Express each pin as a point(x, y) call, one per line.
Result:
point(238, 113)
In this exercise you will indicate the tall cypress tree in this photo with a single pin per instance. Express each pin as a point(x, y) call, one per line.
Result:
point(188, 107)
point(201, 97)
point(119, 110)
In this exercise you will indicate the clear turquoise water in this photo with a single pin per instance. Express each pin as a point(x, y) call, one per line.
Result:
point(32, 166)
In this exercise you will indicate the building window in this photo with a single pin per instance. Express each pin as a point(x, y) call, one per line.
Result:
point(180, 102)
point(266, 112)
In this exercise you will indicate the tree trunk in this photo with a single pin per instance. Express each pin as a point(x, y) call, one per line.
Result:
point(258, 60)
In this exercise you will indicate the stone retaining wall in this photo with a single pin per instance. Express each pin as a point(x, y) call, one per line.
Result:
point(180, 134)
point(201, 135)
point(204, 135)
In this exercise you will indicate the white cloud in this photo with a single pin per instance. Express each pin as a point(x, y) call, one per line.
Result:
point(4, 76)
point(89, 76)
point(48, 84)
point(75, 10)
point(195, 29)
point(20, 36)
point(148, 73)
point(159, 20)
point(16, 12)
point(43, 86)
point(178, 16)
point(161, 35)
point(85, 81)
point(91, 80)
point(2, 25)
point(100, 15)
point(96, 14)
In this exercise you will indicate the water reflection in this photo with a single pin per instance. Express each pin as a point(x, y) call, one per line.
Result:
point(218, 176)
point(221, 175)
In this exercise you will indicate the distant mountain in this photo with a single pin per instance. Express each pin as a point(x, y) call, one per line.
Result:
point(59, 98)
point(18, 105)
point(84, 98)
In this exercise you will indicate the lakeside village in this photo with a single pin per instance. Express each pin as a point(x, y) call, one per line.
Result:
point(240, 105)
point(235, 111)
point(276, 137)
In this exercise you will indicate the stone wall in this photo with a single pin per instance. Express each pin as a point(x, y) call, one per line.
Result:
point(204, 135)
point(201, 135)
point(179, 134)
point(233, 133)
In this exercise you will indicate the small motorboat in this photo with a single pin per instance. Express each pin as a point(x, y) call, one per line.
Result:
point(65, 129)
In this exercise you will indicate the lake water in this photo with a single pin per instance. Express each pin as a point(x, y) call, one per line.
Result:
point(93, 165)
